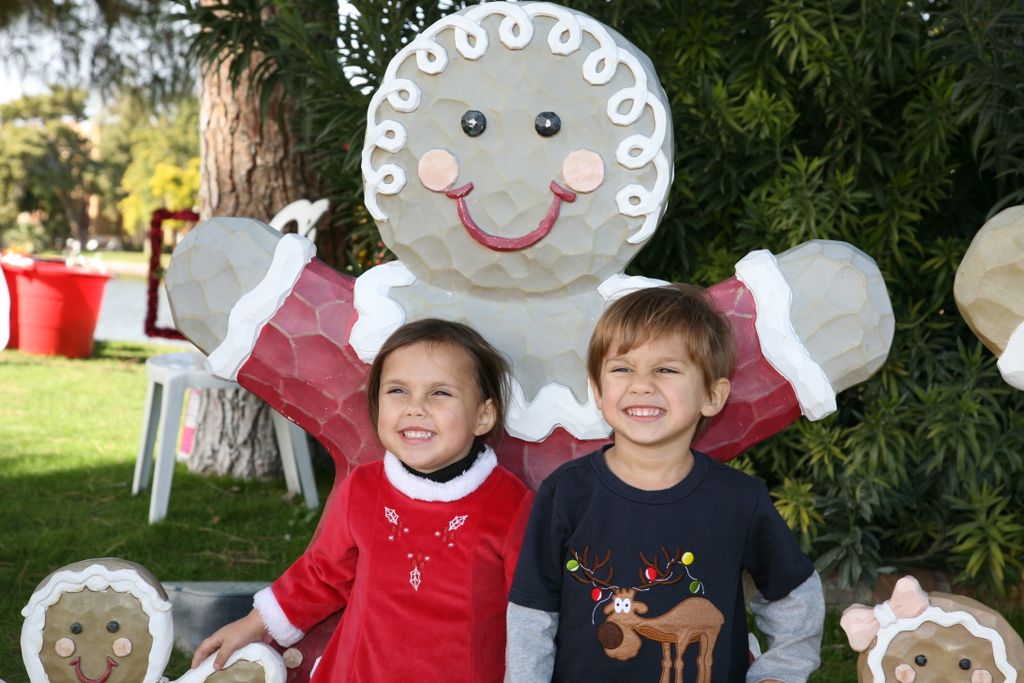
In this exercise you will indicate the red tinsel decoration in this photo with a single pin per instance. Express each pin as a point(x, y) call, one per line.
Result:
point(156, 271)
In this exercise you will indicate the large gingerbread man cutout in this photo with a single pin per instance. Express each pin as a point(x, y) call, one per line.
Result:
point(517, 157)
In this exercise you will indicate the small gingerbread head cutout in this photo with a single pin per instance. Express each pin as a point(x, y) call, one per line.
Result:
point(97, 621)
point(916, 637)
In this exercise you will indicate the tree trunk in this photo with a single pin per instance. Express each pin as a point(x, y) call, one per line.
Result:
point(248, 168)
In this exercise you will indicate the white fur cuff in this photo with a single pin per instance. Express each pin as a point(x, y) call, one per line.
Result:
point(278, 625)
point(256, 307)
point(760, 273)
point(1011, 363)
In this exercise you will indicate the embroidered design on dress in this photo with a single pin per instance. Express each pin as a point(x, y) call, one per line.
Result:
point(396, 529)
point(419, 559)
point(447, 536)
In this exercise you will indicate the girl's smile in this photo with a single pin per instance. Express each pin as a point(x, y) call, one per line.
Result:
point(430, 407)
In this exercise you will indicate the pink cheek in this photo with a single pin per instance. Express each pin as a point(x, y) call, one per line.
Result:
point(122, 647)
point(65, 647)
point(438, 170)
point(583, 170)
point(905, 673)
point(981, 676)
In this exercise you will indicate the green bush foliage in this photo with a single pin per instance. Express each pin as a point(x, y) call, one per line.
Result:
point(895, 125)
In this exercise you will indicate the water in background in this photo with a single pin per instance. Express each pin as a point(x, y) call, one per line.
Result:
point(123, 313)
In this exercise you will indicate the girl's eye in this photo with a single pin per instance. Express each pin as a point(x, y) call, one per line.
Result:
point(442, 392)
point(395, 390)
point(668, 371)
point(619, 370)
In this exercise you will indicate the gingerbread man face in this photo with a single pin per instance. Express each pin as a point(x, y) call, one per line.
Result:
point(97, 621)
point(916, 637)
point(521, 147)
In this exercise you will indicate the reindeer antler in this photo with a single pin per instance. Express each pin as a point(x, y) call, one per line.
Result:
point(583, 565)
point(662, 578)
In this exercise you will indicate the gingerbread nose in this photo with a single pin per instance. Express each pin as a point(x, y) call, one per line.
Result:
point(609, 635)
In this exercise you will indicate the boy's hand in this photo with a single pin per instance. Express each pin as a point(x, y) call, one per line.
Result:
point(227, 639)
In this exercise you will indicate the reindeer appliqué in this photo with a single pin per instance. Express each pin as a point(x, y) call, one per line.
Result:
point(419, 559)
point(694, 620)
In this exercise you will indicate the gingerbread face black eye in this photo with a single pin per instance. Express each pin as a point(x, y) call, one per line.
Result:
point(113, 626)
point(920, 660)
point(547, 123)
point(473, 123)
point(76, 628)
point(965, 664)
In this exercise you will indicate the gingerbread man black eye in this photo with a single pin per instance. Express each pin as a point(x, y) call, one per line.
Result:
point(473, 123)
point(76, 628)
point(113, 626)
point(547, 123)
point(965, 664)
point(920, 660)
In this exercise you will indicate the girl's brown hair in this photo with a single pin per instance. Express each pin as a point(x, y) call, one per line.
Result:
point(491, 368)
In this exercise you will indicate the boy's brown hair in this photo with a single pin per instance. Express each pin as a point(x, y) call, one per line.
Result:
point(654, 312)
point(490, 367)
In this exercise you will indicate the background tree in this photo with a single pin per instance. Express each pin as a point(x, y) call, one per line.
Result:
point(893, 125)
point(47, 162)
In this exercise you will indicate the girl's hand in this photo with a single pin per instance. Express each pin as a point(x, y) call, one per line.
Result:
point(227, 639)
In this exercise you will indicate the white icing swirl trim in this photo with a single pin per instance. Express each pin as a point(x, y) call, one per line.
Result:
point(379, 314)
point(781, 346)
point(98, 578)
point(1011, 363)
point(888, 632)
point(256, 307)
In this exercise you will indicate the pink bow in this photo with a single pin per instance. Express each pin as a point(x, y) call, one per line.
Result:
point(862, 623)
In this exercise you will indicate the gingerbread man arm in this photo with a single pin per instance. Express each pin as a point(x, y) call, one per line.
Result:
point(807, 323)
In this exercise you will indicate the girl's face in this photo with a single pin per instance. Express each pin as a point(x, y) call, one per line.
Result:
point(430, 405)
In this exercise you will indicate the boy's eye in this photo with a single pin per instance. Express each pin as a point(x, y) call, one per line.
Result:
point(442, 392)
point(667, 371)
point(618, 369)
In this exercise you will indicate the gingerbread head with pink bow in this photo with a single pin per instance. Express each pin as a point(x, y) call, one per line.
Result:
point(918, 637)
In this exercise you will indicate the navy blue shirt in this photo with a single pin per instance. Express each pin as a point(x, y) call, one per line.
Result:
point(637, 576)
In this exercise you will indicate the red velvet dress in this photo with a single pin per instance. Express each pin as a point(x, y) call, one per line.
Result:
point(424, 583)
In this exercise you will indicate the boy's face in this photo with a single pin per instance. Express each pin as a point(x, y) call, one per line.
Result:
point(654, 396)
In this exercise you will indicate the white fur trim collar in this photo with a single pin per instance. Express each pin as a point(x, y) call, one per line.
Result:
point(1011, 363)
point(461, 486)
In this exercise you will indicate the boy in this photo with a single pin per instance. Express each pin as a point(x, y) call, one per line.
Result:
point(632, 565)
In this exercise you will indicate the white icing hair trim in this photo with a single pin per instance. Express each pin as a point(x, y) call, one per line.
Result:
point(884, 614)
point(256, 307)
point(1010, 364)
point(278, 625)
point(97, 577)
point(888, 632)
point(760, 272)
point(258, 653)
point(419, 488)
point(515, 32)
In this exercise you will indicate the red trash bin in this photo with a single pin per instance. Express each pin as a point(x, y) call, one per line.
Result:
point(54, 308)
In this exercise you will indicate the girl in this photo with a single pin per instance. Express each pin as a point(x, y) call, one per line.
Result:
point(420, 547)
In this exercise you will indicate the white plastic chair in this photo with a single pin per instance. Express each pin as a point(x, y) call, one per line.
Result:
point(5, 311)
point(170, 376)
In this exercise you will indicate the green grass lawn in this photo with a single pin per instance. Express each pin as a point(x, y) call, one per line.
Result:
point(69, 433)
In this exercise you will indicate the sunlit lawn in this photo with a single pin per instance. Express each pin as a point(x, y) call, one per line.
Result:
point(69, 432)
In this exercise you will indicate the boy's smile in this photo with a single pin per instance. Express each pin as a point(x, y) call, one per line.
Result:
point(653, 396)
